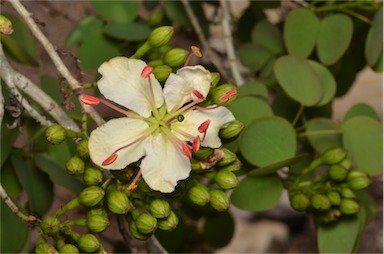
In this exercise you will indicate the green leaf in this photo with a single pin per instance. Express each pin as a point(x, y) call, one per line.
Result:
point(362, 137)
point(374, 43)
point(82, 29)
point(254, 56)
point(9, 180)
point(117, 11)
point(323, 134)
point(257, 193)
point(269, 36)
point(7, 139)
point(218, 229)
point(248, 108)
point(327, 80)
point(299, 80)
point(284, 106)
point(128, 31)
point(361, 109)
point(254, 87)
point(334, 37)
point(176, 12)
point(300, 32)
point(268, 140)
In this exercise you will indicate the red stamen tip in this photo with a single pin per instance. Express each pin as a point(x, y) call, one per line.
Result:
point(204, 126)
point(198, 95)
point(132, 187)
point(187, 150)
point(228, 94)
point(148, 70)
point(89, 100)
point(196, 144)
point(196, 51)
point(111, 159)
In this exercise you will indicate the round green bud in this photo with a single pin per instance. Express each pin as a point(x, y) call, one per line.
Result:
point(146, 223)
point(160, 36)
point(176, 57)
point(97, 222)
point(199, 194)
point(227, 159)
point(215, 78)
point(50, 225)
point(82, 148)
point(55, 134)
point(346, 163)
point(44, 248)
point(5, 26)
point(299, 202)
point(69, 249)
point(159, 208)
point(97, 211)
point(169, 223)
point(337, 172)
point(359, 183)
point(88, 243)
point(135, 232)
point(219, 92)
point(347, 193)
point(226, 179)
point(93, 176)
point(219, 200)
point(333, 156)
point(334, 198)
point(349, 206)
point(162, 72)
point(320, 202)
point(91, 196)
point(232, 130)
point(75, 166)
point(234, 166)
point(118, 202)
point(203, 153)
point(356, 174)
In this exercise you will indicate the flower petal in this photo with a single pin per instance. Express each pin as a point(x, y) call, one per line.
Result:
point(220, 117)
point(123, 84)
point(115, 134)
point(164, 164)
point(179, 87)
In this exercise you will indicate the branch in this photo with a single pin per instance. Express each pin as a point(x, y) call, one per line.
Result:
point(225, 22)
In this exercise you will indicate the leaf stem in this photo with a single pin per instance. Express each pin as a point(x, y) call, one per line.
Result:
point(298, 114)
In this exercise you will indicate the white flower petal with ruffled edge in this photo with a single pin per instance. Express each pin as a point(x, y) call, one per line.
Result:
point(164, 164)
point(178, 88)
point(123, 84)
point(220, 117)
point(114, 134)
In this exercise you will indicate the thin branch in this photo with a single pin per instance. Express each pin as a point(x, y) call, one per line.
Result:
point(1, 100)
point(225, 22)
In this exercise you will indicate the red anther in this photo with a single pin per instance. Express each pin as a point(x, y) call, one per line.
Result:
point(148, 70)
point(111, 159)
point(132, 187)
point(228, 94)
point(196, 51)
point(198, 95)
point(196, 144)
point(89, 100)
point(204, 126)
point(187, 150)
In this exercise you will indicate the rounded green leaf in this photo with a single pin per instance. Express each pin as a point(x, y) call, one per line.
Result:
point(327, 80)
point(269, 36)
point(334, 37)
point(118, 11)
point(374, 43)
point(361, 109)
point(300, 32)
point(218, 229)
point(323, 134)
point(363, 138)
point(128, 31)
point(268, 140)
point(254, 56)
point(85, 27)
point(254, 87)
point(257, 193)
point(299, 80)
point(248, 108)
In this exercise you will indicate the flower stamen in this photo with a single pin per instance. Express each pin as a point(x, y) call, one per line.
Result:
point(203, 128)
point(228, 95)
point(195, 51)
point(196, 144)
point(146, 73)
point(133, 185)
point(111, 159)
point(187, 150)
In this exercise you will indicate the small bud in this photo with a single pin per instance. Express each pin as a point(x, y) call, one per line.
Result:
point(55, 134)
point(176, 57)
point(203, 153)
point(82, 149)
point(159, 208)
point(333, 156)
point(346, 163)
point(88, 243)
point(349, 206)
point(320, 202)
point(118, 202)
point(93, 176)
point(168, 223)
point(75, 166)
point(226, 179)
point(355, 174)
point(215, 78)
point(234, 166)
point(135, 232)
point(334, 198)
point(199, 194)
point(299, 202)
point(219, 91)
point(50, 225)
point(232, 130)
point(44, 248)
point(337, 172)
point(146, 223)
point(359, 183)
point(162, 72)
point(97, 220)
point(347, 193)
point(219, 200)
point(228, 158)
point(160, 36)
point(69, 249)
point(5, 26)
point(91, 196)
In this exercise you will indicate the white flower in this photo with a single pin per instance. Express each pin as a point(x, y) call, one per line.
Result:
point(159, 124)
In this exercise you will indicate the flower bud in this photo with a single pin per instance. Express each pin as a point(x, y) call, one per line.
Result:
point(359, 183)
point(355, 174)
point(232, 130)
point(219, 91)
point(320, 202)
point(146, 223)
point(333, 156)
point(168, 223)
point(215, 78)
point(346, 163)
point(195, 165)
point(5, 26)
point(159, 208)
point(55, 134)
point(97, 220)
point(299, 202)
point(69, 249)
point(75, 166)
point(82, 148)
point(234, 166)
point(88, 243)
point(334, 198)
point(219, 200)
point(226, 179)
point(199, 194)
point(162, 72)
point(337, 172)
point(155, 19)
point(176, 57)
point(93, 176)
point(160, 36)
point(91, 196)
point(118, 202)
point(347, 193)
point(135, 232)
point(349, 206)
point(50, 225)
point(203, 153)
point(44, 248)
point(227, 159)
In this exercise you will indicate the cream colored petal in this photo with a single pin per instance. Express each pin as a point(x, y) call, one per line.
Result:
point(178, 88)
point(123, 84)
point(114, 134)
point(220, 117)
point(164, 164)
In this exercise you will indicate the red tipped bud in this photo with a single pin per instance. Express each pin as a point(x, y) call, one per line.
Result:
point(89, 100)
point(148, 70)
point(196, 51)
point(111, 159)
point(187, 150)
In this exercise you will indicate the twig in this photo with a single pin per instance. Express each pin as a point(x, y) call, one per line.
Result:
point(225, 22)
point(1, 102)
point(124, 233)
